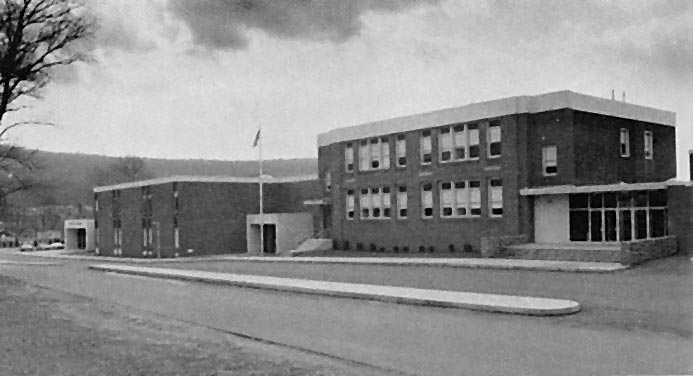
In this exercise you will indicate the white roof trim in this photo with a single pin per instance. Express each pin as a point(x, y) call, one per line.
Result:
point(500, 107)
point(205, 179)
point(566, 189)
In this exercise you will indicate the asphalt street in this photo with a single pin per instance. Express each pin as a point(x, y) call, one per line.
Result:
point(415, 340)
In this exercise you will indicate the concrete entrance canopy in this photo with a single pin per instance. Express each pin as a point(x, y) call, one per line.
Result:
point(79, 234)
point(566, 189)
point(289, 230)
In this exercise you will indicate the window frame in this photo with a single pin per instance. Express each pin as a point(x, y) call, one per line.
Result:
point(423, 136)
point(402, 191)
point(624, 143)
point(349, 157)
point(374, 149)
point(460, 201)
point(648, 145)
point(490, 193)
point(350, 204)
point(545, 160)
point(401, 146)
point(489, 136)
point(452, 132)
point(423, 206)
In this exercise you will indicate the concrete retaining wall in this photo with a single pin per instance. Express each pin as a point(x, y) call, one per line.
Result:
point(639, 251)
point(495, 246)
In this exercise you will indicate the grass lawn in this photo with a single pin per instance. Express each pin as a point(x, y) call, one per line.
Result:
point(45, 332)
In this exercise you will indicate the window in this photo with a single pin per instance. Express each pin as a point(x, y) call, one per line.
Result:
point(328, 181)
point(364, 156)
point(549, 161)
point(349, 157)
point(401, 150)
point(624, 143)
point(350, 204)
point(427, 201)
point(618, 216)
point(460, 199)
point(375, 203)
point(374, 154)
point(402, 201)
point(425, 147)
point(365, 204)
point(493, 139)
point(176, 238)
point(475, 198)
point(495, 197)
point(458, 143)
point(648, 145)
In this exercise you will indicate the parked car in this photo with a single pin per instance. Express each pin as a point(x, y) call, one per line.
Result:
point(26, 247)
point(56, 245)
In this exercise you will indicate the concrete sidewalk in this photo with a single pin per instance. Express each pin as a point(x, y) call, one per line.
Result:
point(400, 295)
point(507, 264)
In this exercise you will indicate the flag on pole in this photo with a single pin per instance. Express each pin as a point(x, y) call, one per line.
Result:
point(257, 138)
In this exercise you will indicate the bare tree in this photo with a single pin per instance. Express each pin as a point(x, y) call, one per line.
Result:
point(125, 169)
point(35, 37)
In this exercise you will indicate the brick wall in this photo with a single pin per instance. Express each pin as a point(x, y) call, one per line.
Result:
point(639, 251)
point(495, 246)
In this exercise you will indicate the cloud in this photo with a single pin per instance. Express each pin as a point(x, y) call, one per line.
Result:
point(223, 25)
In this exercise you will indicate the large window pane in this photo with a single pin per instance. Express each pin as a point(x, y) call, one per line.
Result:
point(625, 225)
point(658, 223)
point(610, 225)
point(596, 226)
point(578, 201)
point(578, 225)
point(658, 198)
point(641, 198)
point(596, 200)
point(641, 224)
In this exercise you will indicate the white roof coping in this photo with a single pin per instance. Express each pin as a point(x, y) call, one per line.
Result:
point(567, 189)
point(205, 179)
point(500, 107)
point(314, 202)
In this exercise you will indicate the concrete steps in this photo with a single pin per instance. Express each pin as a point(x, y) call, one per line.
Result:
point(313, 247)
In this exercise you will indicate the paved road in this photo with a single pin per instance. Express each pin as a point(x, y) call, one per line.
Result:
point(417, 340)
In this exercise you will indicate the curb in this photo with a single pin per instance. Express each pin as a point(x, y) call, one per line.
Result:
point(522, 305)
point(500, 264)
point(471, 263)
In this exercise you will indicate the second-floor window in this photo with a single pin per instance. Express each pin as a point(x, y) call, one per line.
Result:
point(349, 157)
point(624, 142)
point(374, 154)
point(328, 181)
point(426, 148)
point(401, 150)
point(493, 139)
point(549, 160)
point(649, 150)
point(460, 142)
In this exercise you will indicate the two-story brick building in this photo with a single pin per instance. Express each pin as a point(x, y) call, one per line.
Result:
point(559, 169)
point(193, 215)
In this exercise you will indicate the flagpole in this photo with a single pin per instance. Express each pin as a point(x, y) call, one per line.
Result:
point(262, 219)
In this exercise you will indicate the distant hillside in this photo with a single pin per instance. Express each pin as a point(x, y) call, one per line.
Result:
point(70, 177)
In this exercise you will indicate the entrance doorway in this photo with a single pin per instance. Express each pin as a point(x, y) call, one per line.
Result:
point(81, 238)
point(326, 220)
point(269, 234)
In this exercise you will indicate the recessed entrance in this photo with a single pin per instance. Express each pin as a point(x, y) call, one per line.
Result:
point(270, 239)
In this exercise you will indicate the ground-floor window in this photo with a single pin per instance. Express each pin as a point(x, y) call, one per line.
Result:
point(618, 216)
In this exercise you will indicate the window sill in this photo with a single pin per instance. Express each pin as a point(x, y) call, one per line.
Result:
point(493, 156)
point(459, 161)
point(462, 217)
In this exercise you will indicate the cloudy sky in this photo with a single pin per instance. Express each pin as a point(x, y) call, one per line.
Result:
point(193, 79)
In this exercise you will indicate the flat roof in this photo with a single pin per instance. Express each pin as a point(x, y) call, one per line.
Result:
point(205, 179)
point(500, 107)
